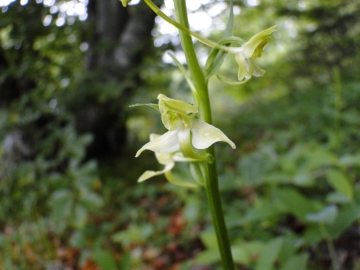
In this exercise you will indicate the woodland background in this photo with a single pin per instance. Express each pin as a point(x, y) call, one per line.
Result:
point(68, 193)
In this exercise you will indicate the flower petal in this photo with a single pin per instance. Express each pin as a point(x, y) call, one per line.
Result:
point(244, 66)
point(197, 173)
point(148, 174)
point(231, 83)
point(204, 135)
point(166, 143)
point(179, 157)
point(178, 182)
point(256, 70)
point(187, 149)
point(179, 106)
point(255, 45)
point(164, 158)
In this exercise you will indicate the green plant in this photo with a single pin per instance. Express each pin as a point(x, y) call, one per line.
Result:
point(191, 134)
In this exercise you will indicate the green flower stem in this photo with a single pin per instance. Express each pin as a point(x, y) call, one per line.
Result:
point(187, 30)
point(211, 186)
point(330, 245)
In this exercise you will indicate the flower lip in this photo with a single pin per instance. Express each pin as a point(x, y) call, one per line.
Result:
point(168, 160)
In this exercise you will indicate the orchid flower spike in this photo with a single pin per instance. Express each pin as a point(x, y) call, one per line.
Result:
point(252, 49)
point(169, 161)
point(243, 55)
point(185, 131)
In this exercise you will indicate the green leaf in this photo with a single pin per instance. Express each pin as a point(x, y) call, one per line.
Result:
point(60, 197)
point(313, 234)
point(340, 182)
point(214, 62)
point(85, 139)
point(253, 168)
point(125, 263)
point(104, 259)
point(327, 215)
point(133, 234)
point(90, 200)
point(336, 197)
point(88, 168)
point(344, 219)
point(208, 238)
point(244, 252)
point(80, 215)
point(318, 158)
point(78, 239)
point(303, 179)
point(296, 262)
point(61, 203)
point(208, 257)
point(296, 203)
point(350, 160)
point(269, 254)
point(275, 178)
point(25, 173)
point(259, 213)
point(230, 24)
point(240, 255)
point(290, 244)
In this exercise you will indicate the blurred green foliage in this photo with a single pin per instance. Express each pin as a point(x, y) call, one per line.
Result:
point(291, 189)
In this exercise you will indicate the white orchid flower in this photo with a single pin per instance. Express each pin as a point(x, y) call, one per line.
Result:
point(252, 49)
point(169, 161)
point(186, 132)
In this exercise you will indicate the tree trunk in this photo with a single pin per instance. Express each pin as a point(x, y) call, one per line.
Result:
point(119, 42)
